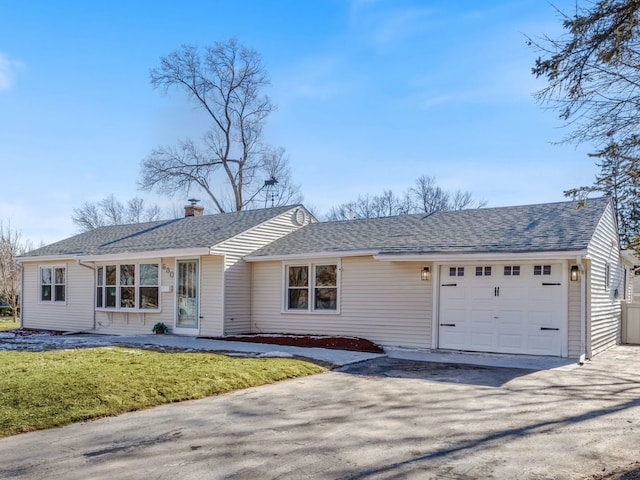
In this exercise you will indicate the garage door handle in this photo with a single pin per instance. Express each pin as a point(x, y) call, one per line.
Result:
point(447, 324)
point(449, 285)
point(550, 284)
point(549, 328)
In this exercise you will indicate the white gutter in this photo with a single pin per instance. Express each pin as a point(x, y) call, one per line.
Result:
point(174, 252)
point(296, 256)
point(462, 257)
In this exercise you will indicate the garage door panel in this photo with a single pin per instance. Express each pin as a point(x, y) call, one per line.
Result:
point(503, 314)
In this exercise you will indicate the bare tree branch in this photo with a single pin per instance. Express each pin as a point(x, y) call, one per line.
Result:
point(226, 81)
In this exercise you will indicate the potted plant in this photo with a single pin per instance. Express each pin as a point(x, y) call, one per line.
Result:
point(160, 328)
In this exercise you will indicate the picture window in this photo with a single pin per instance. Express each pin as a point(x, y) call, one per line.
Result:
point(312, 287)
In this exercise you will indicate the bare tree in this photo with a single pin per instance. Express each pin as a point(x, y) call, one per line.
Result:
point(425, 197)
point(11, 246)
point(428, 196)
point(111, 211)
point(225, 81)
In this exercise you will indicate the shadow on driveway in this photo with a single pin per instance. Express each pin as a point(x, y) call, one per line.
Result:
point(436, 372)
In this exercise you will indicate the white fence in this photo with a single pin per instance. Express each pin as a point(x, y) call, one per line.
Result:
point(631, 323)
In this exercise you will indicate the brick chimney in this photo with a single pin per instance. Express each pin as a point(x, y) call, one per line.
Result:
point(193, 210)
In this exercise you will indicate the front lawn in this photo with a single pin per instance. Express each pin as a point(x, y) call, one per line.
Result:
point(47, 389)
point(7, 323)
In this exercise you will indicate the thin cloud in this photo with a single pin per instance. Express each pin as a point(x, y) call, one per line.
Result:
point(8, 70)
point(383, 23)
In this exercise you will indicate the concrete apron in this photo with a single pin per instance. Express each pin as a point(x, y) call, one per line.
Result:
point(529, 362)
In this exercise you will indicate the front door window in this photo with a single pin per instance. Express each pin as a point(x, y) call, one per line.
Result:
point(187, 294)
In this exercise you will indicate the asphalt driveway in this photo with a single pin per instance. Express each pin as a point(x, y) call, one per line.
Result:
point(384, 418)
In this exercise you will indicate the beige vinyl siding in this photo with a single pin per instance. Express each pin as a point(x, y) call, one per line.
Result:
point(574, 318)
point(605, 307)
point(136, 323)
point(211, 303)
point(237, 283)
point(76, 314)
point(384, 302)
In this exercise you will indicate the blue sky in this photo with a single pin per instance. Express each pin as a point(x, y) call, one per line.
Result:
point(371, 94)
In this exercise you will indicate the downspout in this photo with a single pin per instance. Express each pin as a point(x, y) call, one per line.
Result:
point(21, 294)
point(583, 311)
point(93, 306)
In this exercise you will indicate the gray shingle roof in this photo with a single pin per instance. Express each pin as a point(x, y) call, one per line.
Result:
point(529, 228)
point(190, 232)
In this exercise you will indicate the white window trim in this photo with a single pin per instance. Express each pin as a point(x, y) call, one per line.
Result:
point(53, 301)
point(311, 264)
point(137, 287)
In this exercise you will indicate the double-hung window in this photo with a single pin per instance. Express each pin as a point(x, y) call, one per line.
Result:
point(312, 287)
point(53, 284)
point(128, 286)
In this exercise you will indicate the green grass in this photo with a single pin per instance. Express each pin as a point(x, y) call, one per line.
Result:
point(41, 390)
point(7, 323)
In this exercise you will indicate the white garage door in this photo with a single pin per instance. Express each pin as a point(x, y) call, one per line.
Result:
point(514, 308)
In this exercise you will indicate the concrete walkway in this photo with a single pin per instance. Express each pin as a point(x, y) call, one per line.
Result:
point(332, 356)
point(381, 419)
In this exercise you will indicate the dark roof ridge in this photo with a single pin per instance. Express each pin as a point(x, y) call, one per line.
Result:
point(141, 232)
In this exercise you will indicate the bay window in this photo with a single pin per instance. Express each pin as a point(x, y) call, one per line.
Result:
point(312, 287)
point(128, 286)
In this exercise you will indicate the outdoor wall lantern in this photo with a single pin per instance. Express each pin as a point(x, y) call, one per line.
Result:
point(425, 274)
point(575, 273)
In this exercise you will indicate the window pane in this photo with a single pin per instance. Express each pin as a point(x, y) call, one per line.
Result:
point(127, 297)
point(100, 275)
point(298, 299)
point(111, 297)
point(45, 293)
point(487, 271)
point(546, 270)
point(452, 271)
point(461, 271)
point(99, 297)
point(149, 297)
point(326, 298)
point(127, 274)
point(60, 293)
point(110, 275)
point(45, 276)
point(148, 274)
point(326, 275)
point(516, 270)
point(507, 271)
point(537, 269)
point(478, 271)
point(59, 274)
point(298, 276)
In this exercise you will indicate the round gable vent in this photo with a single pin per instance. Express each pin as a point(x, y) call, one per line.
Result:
point(299, 217)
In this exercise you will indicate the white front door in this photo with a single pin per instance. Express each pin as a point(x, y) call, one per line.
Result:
point(187, 287)
point(502, 308)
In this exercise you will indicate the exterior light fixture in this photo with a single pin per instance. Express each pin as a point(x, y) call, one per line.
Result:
point(575, 273)
point(425, 274)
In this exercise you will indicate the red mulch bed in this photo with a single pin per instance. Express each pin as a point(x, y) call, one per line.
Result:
point(320, 341)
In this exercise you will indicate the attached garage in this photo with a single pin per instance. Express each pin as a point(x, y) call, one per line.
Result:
point(503, 308)
point(544, 279)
